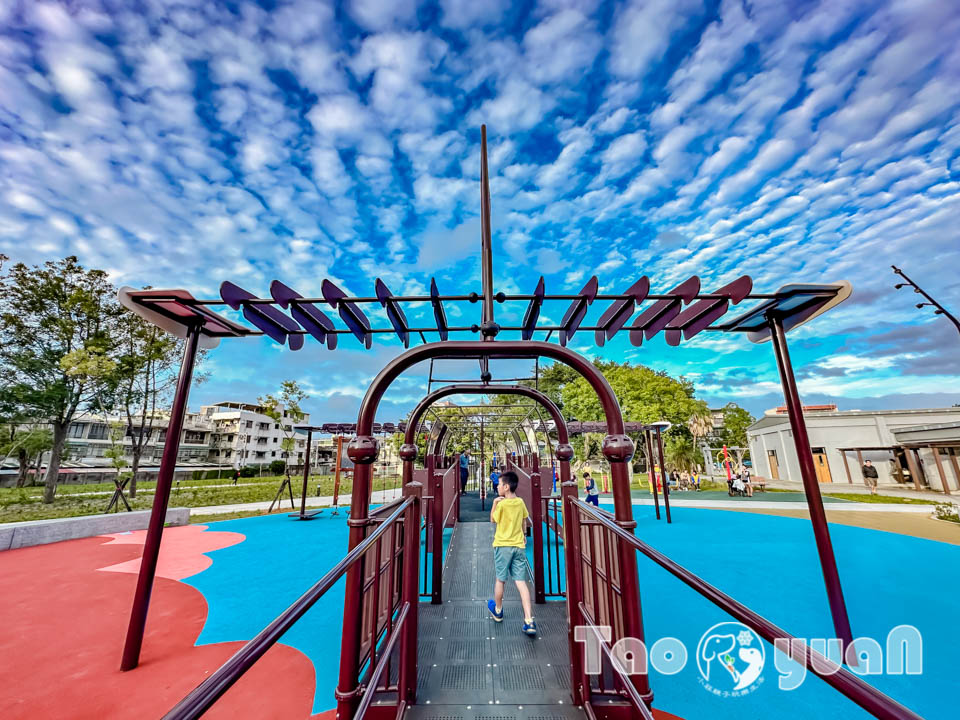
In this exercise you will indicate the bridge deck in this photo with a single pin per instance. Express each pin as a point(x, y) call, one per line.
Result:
point(472, 668)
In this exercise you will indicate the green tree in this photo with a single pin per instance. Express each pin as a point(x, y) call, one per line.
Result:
point(286, 410)
point(57, 323)
point(147, 363)
point(736, 420)
point(680, 451)
point(26, 443)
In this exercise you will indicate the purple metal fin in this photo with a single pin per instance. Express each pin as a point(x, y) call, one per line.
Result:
point(657, 316)
point(533, 312)
point(351, 315)
point(439, 314)
point(619, 312)
point(312, 318)
point(578, 308)
point(699, 315)
point(274, 323)
point(394, 312)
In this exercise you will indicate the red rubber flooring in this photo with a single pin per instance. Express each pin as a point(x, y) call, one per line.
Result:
point(63, 623)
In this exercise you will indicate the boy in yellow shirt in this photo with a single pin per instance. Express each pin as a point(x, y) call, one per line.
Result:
point(510, 514)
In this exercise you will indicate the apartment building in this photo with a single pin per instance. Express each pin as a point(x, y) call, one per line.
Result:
point(243, 435)
point(89, 440)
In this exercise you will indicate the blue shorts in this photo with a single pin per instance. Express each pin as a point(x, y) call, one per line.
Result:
point(510, 563)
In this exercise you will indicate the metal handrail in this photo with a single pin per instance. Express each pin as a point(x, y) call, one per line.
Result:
point(632, 695)
point(860, 692)
point(381, 664)
point(209, 691)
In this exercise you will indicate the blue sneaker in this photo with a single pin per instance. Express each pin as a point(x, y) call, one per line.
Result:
point(492, 607)
point(530, 628)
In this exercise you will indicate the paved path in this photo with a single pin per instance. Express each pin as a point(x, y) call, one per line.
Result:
point(469, 663)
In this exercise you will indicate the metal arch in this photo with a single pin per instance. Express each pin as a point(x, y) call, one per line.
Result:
point(448, 390)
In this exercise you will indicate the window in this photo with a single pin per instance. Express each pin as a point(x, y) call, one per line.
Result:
point(216, 453)
point(98, 431)
point(193, 436)
point(261, 454)
point(276, 426)
point(249, 423)
point(229, 438)
point(274, 439)
point(76, 430)
point(162, 435)
point(273, 454)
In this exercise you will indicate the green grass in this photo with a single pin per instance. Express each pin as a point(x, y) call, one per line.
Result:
point(880, 499)
point(19, 504)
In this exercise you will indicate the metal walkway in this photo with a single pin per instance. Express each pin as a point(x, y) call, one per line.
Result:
point(472, 668)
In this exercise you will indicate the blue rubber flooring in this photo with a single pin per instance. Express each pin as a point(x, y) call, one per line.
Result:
point(769, 563)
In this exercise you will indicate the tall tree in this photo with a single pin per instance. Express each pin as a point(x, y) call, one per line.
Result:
point(286, 410)
point(146, 374)
point(57, 324)
point(736, 420)
point(25, 443)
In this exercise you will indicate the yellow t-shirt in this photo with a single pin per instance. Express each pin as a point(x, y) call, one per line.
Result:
point(509, 515)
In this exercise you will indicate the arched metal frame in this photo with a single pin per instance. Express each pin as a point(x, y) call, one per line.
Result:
point(420, 410)
point(363, 451)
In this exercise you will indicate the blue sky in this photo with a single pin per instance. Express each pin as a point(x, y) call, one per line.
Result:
point(183, 144)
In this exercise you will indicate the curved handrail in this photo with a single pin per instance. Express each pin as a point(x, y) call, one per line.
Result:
point(206, 693)
point(860, 692)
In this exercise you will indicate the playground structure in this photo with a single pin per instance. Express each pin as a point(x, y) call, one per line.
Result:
point(378, 662)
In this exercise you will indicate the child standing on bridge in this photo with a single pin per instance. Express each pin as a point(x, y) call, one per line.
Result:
point(510, 514)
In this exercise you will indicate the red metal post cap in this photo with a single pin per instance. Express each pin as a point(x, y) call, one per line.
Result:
point(363, 449)
point(617, 448)
point(564, 451)
point(408, 452)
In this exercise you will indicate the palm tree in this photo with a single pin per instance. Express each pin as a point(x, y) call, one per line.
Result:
point(700, 424)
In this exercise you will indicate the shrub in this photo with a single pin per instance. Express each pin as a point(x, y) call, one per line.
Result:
point(277, 467)
point(248, 471)
point(947, 511)
point(214, 474)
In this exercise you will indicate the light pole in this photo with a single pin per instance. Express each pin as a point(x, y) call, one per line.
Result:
point(940, 310)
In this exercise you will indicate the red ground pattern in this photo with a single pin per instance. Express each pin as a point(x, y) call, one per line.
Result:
point(63, 625)
point(182, 552)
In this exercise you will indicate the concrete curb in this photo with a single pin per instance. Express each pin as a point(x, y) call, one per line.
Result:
point(41, 532)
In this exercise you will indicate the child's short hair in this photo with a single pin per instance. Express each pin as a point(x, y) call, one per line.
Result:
point(511, 479)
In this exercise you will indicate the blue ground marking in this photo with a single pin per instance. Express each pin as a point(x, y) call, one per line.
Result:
point(767, 562)
point(249, 584)
point(770, 564)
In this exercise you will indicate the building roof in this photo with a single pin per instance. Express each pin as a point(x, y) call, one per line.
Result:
point(773, 417)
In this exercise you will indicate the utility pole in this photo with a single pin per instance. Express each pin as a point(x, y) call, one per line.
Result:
point(940, 310)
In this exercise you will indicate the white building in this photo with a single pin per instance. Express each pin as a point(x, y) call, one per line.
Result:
point(910, 448)
point(243, 435)
point(89, 439)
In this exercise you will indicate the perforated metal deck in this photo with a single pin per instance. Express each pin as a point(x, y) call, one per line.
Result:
point(472, 668)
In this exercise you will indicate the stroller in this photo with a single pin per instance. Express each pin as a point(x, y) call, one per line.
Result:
point(735, 486)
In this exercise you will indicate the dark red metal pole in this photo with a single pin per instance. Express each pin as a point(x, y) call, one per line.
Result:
point(808, 473)
point(571, 542)
point(362, 450)
point(407, 678)
point(651, 475)
point(435, 480)
point(161, 497)
point(306, 478)
point(663, 473)
point(536, 519)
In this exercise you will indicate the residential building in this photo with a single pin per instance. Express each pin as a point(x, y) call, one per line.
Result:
point(244, 435)
point(917, 449)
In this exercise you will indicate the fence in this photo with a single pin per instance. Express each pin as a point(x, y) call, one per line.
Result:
point(387, 615)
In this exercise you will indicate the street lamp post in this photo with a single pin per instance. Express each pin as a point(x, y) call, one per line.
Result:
point(940, 310)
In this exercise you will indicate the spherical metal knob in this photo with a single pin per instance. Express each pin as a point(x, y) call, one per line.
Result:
point(564, 451)
point(408, 452)
point(363, 449)
point(617, 448)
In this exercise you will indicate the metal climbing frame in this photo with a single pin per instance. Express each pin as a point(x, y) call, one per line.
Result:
point(680, 314)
